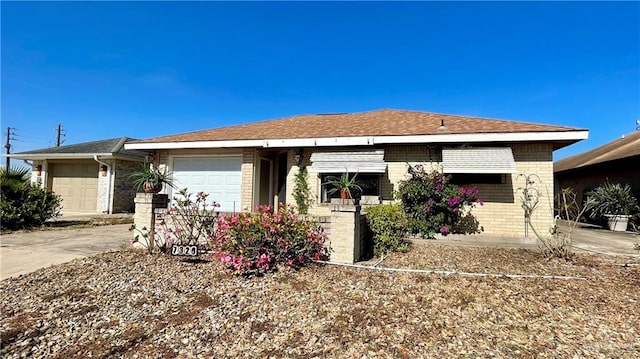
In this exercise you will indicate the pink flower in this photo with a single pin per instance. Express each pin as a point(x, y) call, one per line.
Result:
point(263, 261)
point(444, 231)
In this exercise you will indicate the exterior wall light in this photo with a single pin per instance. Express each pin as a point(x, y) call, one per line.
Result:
point(38, 170)
point(103, 170)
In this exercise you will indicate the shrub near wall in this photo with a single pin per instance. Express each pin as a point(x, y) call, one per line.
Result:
point(389, 227)
point(255, 243)
point(27, 206)
point(432, 204)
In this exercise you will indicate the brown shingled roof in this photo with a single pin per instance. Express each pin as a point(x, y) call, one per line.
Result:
point(373, 123)
point(624, 147)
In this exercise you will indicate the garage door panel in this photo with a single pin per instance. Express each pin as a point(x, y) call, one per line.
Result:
point(215, 180)
point(77, 185)
point(220, 177)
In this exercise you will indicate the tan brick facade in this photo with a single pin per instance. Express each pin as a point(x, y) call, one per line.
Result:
point(124, 192)
point(501, 214)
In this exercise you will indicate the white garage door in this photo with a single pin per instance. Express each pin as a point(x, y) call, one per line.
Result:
point(220, 177)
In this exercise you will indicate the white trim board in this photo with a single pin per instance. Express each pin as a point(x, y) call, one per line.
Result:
point(369, 140)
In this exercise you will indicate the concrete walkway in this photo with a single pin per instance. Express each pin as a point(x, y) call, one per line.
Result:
point(25, 252)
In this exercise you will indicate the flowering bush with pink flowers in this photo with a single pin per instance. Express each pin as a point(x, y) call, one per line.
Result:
point(255, 243)
point(432, 204)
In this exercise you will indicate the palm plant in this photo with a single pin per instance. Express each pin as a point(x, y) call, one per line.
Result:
point(14, 177)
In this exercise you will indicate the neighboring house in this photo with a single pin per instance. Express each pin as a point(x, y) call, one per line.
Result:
point(617, 161)
point(244, 165)
point(91, 177)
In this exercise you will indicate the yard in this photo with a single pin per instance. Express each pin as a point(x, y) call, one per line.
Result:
point(135, 305)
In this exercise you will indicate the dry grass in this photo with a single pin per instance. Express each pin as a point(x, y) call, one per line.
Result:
point(130, 304)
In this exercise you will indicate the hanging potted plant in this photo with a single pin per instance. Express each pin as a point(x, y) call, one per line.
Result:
point(615, 202)
point(151, 180)
point(345, 184)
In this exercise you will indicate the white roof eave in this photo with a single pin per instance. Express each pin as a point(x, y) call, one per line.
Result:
point(74, 156)
point(368, 140)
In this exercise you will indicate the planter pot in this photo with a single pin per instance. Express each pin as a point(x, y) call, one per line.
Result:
point(617, 223)
point(149, 187)
point(344, 194)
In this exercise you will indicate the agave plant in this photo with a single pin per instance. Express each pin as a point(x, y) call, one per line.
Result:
point(151, 180)
point(612, 199)
point(344, 184)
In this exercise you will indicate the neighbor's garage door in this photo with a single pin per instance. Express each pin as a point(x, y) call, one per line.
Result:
point(220, 177)
point(77, 185)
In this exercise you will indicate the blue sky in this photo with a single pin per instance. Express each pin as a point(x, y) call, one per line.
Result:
point(145, 69)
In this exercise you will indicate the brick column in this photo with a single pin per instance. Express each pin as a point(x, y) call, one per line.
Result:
point(345, 233)
point(145, 215)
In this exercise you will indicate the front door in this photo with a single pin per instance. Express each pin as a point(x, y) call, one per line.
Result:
point(265, 182)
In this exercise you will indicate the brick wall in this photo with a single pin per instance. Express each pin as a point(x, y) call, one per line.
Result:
point(123, 190)
point(346, 233)
point(501, 214)
point(104, 189)
point(248, 179)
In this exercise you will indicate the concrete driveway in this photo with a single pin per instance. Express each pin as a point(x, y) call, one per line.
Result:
point(590, 238)
point(586, 239)
point(26, 252)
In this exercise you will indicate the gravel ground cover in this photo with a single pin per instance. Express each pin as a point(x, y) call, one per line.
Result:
point(129, 304)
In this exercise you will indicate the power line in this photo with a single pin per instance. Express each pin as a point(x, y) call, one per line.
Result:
point(60, 133)
point(7, 145)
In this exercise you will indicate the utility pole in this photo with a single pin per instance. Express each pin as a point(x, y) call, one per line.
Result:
point(8, 147)
point(59, 134)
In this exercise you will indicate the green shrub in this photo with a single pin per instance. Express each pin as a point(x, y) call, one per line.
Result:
point(254, 243)
point(389, 227)
point(612, 198)
point(27, 206)
point(432, 204)
point(301, 191)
